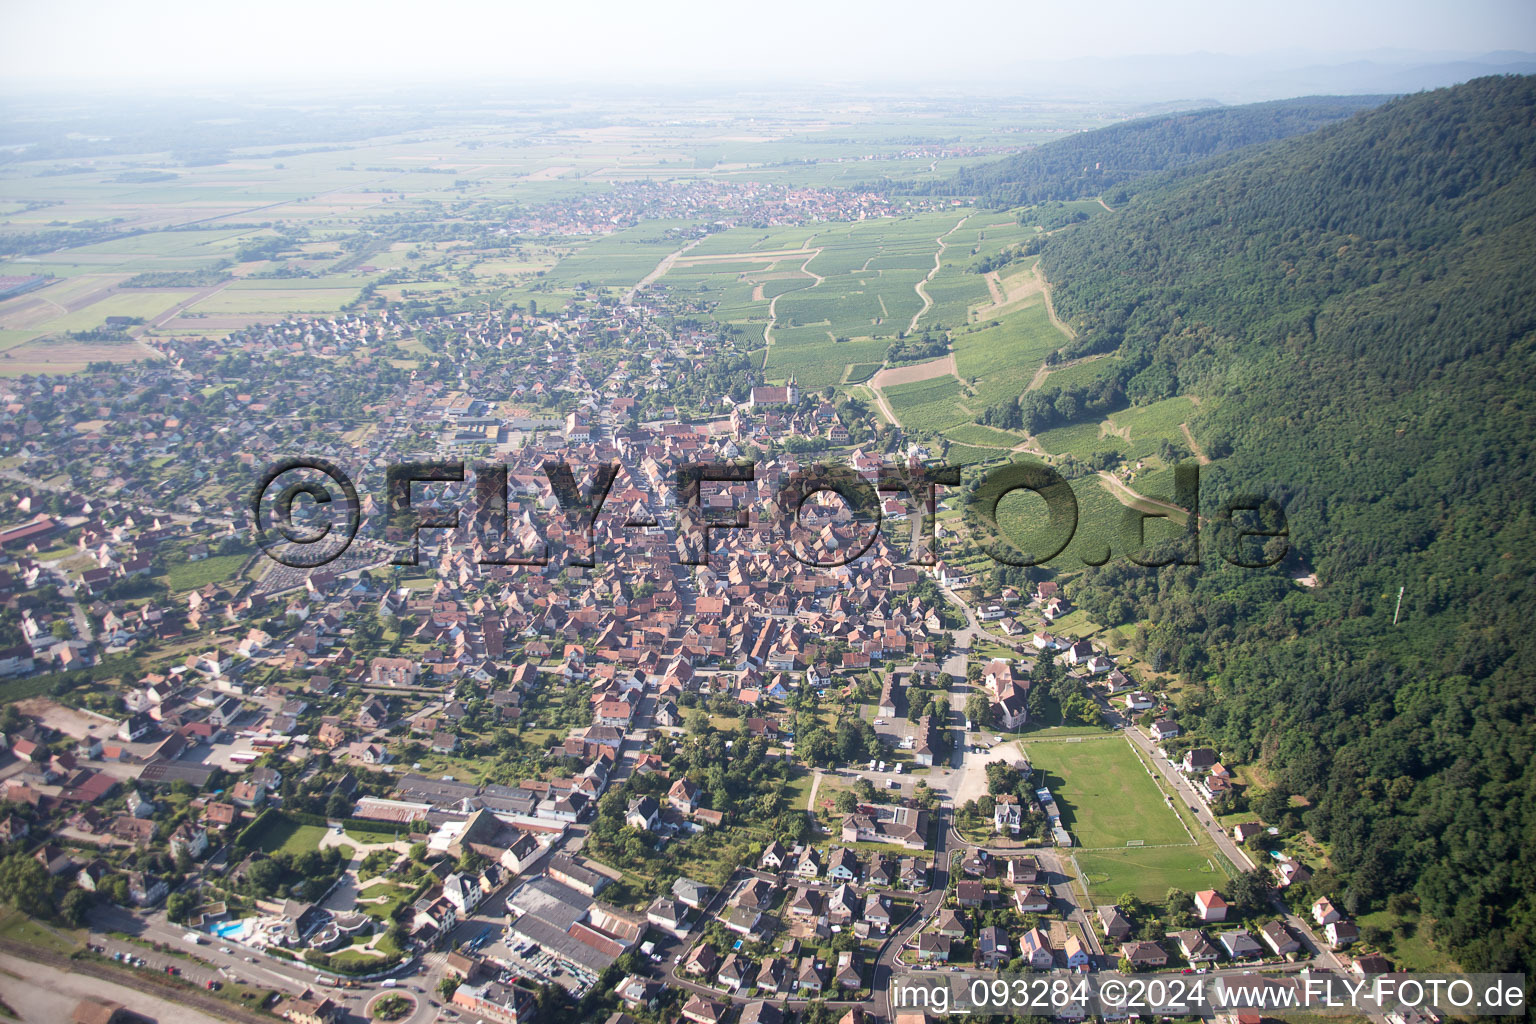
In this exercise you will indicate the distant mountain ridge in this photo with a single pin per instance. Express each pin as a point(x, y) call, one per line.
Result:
point(1096, 162)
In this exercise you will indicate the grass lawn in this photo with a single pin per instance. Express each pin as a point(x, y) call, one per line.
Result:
point(1414, 952)
point(1075, 623)
point(797, 791)
point(1105, 794)
point(394, 896)
point(184, 576)
point(19, 927)
point(287, 835)
point(1148, 873)
point(366, 838)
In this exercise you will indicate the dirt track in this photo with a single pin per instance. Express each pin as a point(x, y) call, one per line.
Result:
point(1050, 307)
point(661, 268)
point(922, 292)
point(1200, 456)
point(932, 369)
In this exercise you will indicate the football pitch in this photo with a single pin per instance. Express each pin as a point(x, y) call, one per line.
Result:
point(1128, 839)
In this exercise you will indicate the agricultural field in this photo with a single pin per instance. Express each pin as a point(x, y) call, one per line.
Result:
point(1000, 358)
point(281, 232)
point(1081, 372)
point(928, 404)
point(622, 259)
point(1022, 517)
point(1083, 440)
point(987, 437)
point(969, 455)
point(1146, 427)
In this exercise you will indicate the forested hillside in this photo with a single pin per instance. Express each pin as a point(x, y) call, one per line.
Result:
point(1359, 304)
point(1094, 163)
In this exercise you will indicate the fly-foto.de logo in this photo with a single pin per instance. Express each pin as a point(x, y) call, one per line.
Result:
point(306, 513)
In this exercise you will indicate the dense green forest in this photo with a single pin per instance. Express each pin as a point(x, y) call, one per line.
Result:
point(1094, 163)
point(1358, 306)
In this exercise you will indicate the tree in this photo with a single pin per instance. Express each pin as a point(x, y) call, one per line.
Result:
point(338, 806)
point(115, 889)
point(1036, 702)
point(179, 906)
point(447, 987)
point(1125, 966)
point(1271, 804)
point(845, 802)
point(1080, 708)
point(1002, 777)
point(979, 710)
point(1250, 890)
point(264, 876)
point(76, 905)
point(25, 885)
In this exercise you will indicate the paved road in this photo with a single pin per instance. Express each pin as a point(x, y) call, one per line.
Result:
point(210, 962)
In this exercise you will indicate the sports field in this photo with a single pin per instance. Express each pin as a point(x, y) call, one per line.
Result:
point(1104, 792)
point(1109, 800)
point(1148, 874)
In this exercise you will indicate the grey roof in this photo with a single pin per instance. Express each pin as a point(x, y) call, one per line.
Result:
point(548, 900)
point(552, 939)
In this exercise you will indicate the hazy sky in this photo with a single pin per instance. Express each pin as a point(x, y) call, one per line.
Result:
point(160, 41)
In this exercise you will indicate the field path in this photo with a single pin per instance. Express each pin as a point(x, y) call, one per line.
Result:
point(885, 407)
point(1008, 295)
point(183, 305)
point(1131, 499)
point(943, 366)
point(1106, 206)
point(994, 287)
point(773, 306)
point(922, 292)
point(1046, 369)
point(1200, 456)
point(661, 268)
point(1050, 307)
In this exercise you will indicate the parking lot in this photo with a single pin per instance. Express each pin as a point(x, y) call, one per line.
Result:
point(523, 959)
